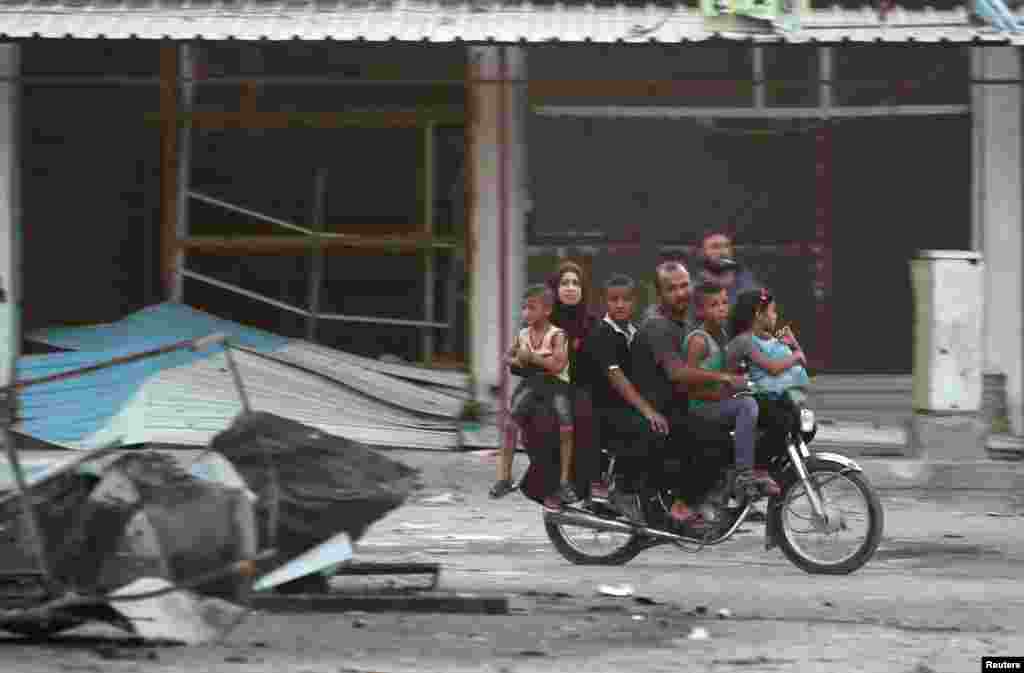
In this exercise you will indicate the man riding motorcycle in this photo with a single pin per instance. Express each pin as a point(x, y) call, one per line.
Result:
point(662, 376)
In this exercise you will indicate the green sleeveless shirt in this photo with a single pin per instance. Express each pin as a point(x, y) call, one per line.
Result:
point(714, 360)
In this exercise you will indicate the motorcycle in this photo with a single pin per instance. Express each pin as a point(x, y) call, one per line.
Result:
point(801, 510)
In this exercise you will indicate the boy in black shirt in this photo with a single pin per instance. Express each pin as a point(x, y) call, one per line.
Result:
point(618, 406)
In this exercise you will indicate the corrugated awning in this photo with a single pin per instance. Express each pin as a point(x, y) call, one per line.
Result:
point(474, 22)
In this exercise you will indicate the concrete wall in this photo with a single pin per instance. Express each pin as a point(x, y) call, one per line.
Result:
point(997, 216)
point(499, 253)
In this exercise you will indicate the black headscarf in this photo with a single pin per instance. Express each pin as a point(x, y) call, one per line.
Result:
point(575, 320)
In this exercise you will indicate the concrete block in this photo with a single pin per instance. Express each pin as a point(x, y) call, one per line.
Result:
point(947, 437)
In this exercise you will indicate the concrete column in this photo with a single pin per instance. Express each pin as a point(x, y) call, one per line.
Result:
point(497, 154)
point(10, 214)
point(996, 229)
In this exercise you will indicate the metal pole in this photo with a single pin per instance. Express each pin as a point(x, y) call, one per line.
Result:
point(10, 104)
point(186, 71)
point(759, 82)
point(316, 250)
point(236, 376)
point(826, 79)
point(429, 256)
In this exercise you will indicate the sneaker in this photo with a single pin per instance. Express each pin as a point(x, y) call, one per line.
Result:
point(552, 504)
point(682, 514)
point(756, 482)
point(501, 488)
point(599, 490)
point(708, 511)
point(769, 486)
point(567, 494)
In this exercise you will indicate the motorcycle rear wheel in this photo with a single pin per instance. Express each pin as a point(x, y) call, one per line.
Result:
point(617, 555)
point(871, 539)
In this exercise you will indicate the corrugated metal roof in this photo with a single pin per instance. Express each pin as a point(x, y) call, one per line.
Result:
point(67, 410)
point(187, 397)
point(165, 323)
point(192, 403)
point(447, 22)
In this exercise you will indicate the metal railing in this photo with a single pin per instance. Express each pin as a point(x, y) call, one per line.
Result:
point(317, 236)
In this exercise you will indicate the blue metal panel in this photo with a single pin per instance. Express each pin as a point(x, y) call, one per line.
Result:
point(71, 409)
point(166, 322)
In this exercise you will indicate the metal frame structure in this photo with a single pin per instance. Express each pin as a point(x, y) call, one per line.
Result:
point(315, 238)
point(176, 113)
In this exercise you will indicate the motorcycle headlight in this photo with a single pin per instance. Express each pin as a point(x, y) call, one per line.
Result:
point(806, 420)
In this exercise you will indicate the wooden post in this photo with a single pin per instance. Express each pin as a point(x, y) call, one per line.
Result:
point(186, 70)
point(429, 257)
point(169, 72)
point(471, 205)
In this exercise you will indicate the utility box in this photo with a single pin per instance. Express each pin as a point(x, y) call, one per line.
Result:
point(948, 314)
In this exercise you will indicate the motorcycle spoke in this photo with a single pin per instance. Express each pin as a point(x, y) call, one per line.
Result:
point(818, 541)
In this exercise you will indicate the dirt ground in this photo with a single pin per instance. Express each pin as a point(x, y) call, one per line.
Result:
point(944, 590)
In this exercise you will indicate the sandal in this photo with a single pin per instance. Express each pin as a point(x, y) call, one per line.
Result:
point(501, 488)
point(683, 515)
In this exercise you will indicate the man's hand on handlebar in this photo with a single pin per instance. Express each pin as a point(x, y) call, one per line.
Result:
point(658, 422)
point(738, 382)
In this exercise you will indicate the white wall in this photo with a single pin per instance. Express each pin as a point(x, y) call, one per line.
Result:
point(996, 114)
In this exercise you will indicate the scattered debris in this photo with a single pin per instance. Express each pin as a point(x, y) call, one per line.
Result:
point(258, 643)
point(442, 499)
point(701, 610)
point(619, 591)
point(359, 623)
point(549, 595)
point(699, 633)
point(999, 514)
point(953, 536)
point(644, 600)
point(829, 604)
point(533, 653)
point(760, 660)
point(724, 613)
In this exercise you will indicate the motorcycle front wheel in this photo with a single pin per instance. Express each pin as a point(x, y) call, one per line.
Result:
point(816, 547)
point(585, 546)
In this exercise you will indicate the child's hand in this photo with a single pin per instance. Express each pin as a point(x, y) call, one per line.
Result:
point(801, 357)
point(786, 336)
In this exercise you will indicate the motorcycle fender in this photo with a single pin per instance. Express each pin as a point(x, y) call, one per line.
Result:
point(771, 532)
point(838, 459)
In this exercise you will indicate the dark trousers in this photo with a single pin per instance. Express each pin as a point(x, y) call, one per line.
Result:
point(690, 458)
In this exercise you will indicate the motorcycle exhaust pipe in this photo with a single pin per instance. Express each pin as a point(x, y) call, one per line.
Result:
point(569, 517)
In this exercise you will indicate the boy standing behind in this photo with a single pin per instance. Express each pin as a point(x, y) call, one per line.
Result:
point(544, 346)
